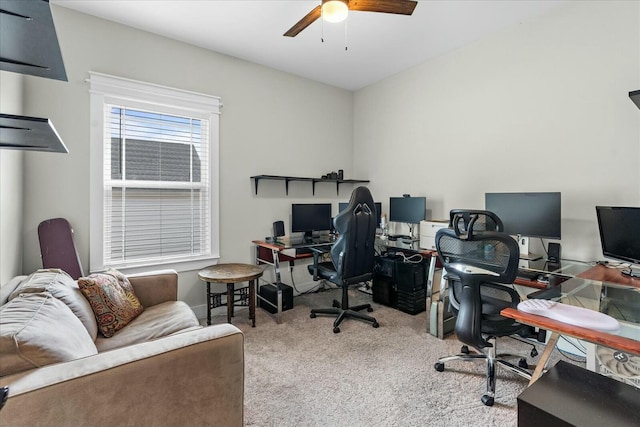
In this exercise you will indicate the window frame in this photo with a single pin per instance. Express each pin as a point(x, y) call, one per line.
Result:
point(105, 89)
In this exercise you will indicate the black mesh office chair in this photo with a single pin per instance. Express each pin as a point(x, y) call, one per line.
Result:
point(352, 257)
point(478, 259)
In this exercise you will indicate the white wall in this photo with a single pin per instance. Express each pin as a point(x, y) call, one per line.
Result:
point(11, 187)
point(271, 123)
point(539, 107)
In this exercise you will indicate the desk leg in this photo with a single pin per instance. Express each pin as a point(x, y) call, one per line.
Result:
point(209, 303)
point(252, 301)
point(229, 301)
point(276, 268)
point(542, 363)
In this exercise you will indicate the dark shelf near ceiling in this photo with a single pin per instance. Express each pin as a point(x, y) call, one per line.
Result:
point(29, 133)
point(28, 40)
point(635, 97)
point(313, 181)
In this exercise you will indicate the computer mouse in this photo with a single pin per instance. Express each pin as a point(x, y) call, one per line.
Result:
point(543, 278)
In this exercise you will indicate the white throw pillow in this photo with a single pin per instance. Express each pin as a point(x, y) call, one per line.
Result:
point(36, 330)
point(63, 287)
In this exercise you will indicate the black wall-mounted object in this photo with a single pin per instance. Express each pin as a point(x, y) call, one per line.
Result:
point(29, 133)
point(28, 40)
point(29, 45)
point(635, 97)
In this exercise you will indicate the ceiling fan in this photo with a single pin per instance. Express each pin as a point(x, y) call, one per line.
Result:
point(336, 11)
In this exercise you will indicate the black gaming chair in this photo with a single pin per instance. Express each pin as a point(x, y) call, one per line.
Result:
point(479, 259)
point(352, 256)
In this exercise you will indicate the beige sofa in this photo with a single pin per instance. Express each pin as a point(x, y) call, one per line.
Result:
point(162, 369)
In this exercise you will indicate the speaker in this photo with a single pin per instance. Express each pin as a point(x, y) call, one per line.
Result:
point(554, 252)
point(278, 228)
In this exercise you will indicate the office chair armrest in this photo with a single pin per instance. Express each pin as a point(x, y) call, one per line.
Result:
point(317, 252)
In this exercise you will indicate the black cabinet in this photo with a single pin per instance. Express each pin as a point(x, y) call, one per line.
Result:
point(400, 284)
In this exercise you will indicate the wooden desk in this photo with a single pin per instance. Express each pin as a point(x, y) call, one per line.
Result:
point(271, 253)
point(612, 275)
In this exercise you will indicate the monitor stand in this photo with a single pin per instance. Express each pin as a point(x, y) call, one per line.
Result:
point(523, 243)
point(308, 237)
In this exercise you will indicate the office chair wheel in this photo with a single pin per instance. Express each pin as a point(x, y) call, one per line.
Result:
point(369, 309)
point(335, 304)
point(336, 330)
point(375, 324)
point(534, 352)
point(523, 363)
point(487, 400)
point(464, 349)
point(439, 366)
point(312, 315)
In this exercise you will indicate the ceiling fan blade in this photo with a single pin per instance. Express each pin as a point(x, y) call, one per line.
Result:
point(304, 22)
point(400, 7)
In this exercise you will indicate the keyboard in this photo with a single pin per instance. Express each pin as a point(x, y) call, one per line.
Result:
point(302, 251)
point(578, 316)
point(529, 275)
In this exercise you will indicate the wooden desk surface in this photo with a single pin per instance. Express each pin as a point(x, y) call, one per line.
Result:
point(612, 275)
point(598, 337)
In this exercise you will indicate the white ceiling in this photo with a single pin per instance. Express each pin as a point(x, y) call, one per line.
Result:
point(379, 44)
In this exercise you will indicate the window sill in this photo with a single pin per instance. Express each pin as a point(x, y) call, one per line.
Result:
point(177, 265)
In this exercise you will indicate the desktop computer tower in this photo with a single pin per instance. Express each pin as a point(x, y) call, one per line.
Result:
point(400, 285)
point(270, 293)
point(384, 292)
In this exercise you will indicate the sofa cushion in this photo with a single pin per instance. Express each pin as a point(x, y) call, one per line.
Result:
point(112, 299)
point(155, 322)
point(61, 286)
point(37, 329)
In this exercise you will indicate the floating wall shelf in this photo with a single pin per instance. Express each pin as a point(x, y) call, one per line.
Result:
point(313, 181)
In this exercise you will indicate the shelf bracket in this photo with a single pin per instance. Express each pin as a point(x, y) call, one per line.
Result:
point(286, 186)
point(255, 184)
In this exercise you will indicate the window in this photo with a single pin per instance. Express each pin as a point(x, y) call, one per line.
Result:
point(154, 185)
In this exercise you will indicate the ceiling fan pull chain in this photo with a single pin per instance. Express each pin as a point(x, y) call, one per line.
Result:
point(345, 33)
point(322, 23)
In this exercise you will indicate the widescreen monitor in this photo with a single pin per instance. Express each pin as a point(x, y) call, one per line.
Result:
point(343, 205)
point(309, 217)
point(620, 235)
point(410, 210)
point(527, 215)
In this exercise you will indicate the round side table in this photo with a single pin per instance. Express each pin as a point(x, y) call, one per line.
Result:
point(232, 274)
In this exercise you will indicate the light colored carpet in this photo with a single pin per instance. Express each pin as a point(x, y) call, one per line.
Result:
point(299, 373)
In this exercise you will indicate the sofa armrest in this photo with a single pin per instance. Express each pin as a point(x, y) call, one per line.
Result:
point(155, 287)
point(193, 378)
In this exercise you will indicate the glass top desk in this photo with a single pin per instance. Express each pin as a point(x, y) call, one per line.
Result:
point(621, 301)
point(288, 250)
point(285, 250)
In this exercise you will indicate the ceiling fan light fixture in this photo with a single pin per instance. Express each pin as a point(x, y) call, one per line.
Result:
point(334, 10)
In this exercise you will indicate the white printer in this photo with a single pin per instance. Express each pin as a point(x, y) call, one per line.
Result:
point(428, 230)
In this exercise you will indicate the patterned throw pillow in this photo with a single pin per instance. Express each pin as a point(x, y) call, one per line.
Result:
point(112, 299)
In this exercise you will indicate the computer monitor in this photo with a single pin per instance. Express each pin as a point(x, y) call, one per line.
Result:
point(309, 217)
point(620, 235)
point(343, 205)
point(410, 210)
point(527, 215)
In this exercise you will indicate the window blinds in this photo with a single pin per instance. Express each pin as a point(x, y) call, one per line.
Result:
point(156, 186)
